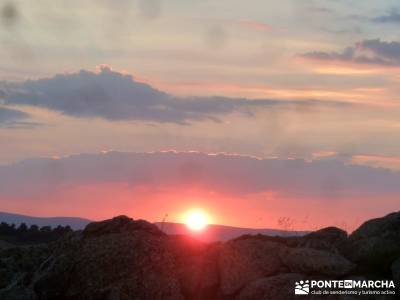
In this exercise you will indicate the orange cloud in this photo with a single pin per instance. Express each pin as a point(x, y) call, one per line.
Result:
point(380, 161)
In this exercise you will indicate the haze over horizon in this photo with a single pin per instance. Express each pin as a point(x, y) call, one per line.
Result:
point(253, 111)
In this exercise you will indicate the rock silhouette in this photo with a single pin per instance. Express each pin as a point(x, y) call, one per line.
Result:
point(123, 259)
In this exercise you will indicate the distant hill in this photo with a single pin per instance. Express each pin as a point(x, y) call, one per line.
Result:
point(75, 223)
point(214, 233)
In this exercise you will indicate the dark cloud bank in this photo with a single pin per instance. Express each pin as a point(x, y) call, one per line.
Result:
point(118, 97)
point(231, 174)
point(11, 118)
point(373, 51)
point(392, 17)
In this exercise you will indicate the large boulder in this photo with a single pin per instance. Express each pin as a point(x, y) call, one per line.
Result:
point(113, 259)
point(316, 262)
point(196, 266)
point(18, 292)
point(329, 239)
point(120, 224)
point(279, 287)
point(376, 244)
point(126, 259)
point(396, 270)
point(244, 260)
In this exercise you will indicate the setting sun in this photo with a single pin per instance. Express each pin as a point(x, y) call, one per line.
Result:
point(196, 220)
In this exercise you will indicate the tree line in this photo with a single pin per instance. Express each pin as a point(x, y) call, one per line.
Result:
point(23, 234)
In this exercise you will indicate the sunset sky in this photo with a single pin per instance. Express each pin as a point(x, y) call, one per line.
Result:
point(251, 110)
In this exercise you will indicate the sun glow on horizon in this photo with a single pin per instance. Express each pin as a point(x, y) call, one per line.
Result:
point(196, 219)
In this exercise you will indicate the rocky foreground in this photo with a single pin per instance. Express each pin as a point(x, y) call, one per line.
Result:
point(126, 259)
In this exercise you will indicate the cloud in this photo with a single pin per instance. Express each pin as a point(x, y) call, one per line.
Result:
point(119, 97)
point(236, 175)
point(11, 118)
point(392, 17)
point(379, 161)
point(372, 52)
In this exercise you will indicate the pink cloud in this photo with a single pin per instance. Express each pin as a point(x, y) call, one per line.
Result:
point(255, 25)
